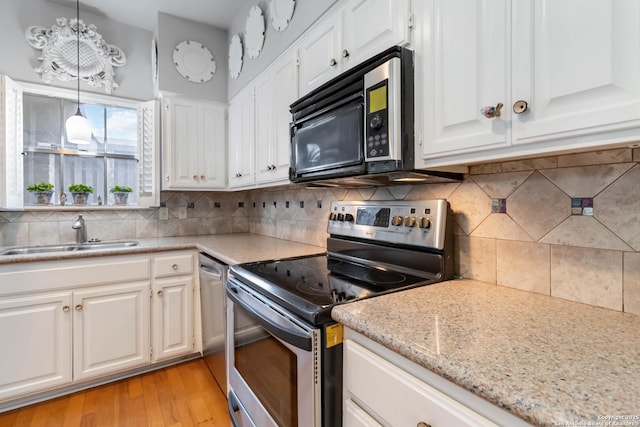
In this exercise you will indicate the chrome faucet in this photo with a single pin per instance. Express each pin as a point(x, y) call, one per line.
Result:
point(81, 229)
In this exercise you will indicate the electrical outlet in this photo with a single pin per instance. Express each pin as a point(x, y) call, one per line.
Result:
point(163, 214)
point(182, 212)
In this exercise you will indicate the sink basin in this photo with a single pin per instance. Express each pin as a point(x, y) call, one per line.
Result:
point(90, 246)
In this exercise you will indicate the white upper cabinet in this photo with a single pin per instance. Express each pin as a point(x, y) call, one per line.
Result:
point(275, 92)
point(566, 72)
point(577, 65)
point(194, 144)
point(355, 32)
point(241, 138)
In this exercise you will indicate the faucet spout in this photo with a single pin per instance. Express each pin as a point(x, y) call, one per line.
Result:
point(81, 229)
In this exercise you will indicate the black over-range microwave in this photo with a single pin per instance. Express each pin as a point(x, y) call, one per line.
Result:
point(360, 126)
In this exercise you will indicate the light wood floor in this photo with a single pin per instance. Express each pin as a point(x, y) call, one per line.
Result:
point(181, 395)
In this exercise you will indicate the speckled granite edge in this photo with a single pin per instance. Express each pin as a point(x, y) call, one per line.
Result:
point(231, 249)
point(546, 360)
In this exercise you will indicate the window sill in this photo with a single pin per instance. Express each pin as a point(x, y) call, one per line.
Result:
point(77, 208)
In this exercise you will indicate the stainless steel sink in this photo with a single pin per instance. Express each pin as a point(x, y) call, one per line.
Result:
point(89, 246)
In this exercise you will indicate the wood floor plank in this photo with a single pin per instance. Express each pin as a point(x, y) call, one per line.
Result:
point(183, 395)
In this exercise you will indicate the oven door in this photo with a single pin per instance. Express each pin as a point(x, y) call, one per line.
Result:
point(273, 362)
point(329, 143)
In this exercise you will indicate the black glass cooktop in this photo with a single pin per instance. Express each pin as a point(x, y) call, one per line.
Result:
point(310, 286)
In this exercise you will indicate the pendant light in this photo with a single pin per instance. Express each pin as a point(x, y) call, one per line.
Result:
point(77, 126)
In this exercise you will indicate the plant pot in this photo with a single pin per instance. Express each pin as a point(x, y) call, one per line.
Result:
point(42, 197)
point(120, 197)
point(80, 198)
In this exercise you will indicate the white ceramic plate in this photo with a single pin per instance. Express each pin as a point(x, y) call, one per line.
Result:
point(281, 12)
point(154, 60)
point(254, 32)
point(194, 61)
point(235, 56)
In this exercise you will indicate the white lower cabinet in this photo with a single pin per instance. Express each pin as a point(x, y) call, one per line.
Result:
point(110, 329)
point(381, 388)
point(72, 322)
point(35, 332)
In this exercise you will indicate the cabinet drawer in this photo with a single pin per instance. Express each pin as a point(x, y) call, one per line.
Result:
point(395, 397)
point(173, 265)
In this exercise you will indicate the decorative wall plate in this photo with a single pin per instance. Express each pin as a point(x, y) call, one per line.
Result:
point(254, 32)
point(59, 53)
point(281, 12)
point(154, 60)
point(194, 61)
point(235, 56)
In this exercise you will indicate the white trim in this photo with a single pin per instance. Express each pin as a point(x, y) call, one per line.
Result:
point(72, 95)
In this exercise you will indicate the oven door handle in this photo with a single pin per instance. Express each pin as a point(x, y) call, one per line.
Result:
point(273, 321)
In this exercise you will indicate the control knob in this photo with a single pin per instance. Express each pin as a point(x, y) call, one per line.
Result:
point(410, 221)
point(340, 217)
point(397, 220)
point(376, 122)
point(424, 222)
point(332, 216)
point(348, 217)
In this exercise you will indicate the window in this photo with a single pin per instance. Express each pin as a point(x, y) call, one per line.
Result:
point(110, 159)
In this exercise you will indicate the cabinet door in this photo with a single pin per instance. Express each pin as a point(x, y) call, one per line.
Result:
point(36, 350)
point(212, 153)
point(241, 139)
point(265, 126)
point(387, 26)
point(464, 69)
point(180, 154)
point(576, 64)
point(172, 312)
point(319, 54)
point(285, 78)
point(111, 329)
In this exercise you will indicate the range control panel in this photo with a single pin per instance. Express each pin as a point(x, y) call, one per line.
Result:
point(418, 223)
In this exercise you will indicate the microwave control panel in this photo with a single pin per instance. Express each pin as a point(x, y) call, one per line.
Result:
point(383, 112)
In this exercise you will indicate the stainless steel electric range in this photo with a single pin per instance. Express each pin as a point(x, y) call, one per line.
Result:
point(284, 352)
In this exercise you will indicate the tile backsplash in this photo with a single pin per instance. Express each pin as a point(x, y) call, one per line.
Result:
point(516, 222)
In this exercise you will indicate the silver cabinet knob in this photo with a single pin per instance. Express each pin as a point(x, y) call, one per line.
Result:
point(491, 112)
point(345, 53)
point(423, 424)
point(79, 307)
point(202, 177)
point(65, 308)
point(520, 107)
point(333, 62)
point(195, 177)
point(160, 293)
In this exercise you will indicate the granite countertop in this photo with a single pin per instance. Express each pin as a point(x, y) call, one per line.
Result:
point(546, 360)
point(231, 249)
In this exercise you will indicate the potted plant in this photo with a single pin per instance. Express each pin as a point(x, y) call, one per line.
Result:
point(80, 193)
point(121, 194)
point(42, 192)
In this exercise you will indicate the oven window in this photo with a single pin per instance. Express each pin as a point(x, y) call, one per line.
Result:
point(331, 140)
point(268, 367)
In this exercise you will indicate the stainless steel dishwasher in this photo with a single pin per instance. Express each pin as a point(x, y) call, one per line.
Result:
point(213, 276)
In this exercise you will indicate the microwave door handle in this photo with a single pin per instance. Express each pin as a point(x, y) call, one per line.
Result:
point(276, 324)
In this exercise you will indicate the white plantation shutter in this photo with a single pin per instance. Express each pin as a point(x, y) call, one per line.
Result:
point(11, 185)
point(148, 153)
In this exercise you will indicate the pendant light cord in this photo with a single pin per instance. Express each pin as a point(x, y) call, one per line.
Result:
point(78, 48)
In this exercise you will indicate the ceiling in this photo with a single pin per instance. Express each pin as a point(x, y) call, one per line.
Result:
point(143, 13)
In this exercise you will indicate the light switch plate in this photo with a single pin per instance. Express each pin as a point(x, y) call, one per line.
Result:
point(182, 212)
point(163, 214)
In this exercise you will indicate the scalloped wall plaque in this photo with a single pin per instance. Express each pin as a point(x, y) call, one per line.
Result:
point(254, 32)
point(194, 61)
point(59, 53)
point(235, 57)
point(281, 12)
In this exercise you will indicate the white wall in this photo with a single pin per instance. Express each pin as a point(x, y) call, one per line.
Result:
point(305, 14)
point(18, 58)
point(172, 30)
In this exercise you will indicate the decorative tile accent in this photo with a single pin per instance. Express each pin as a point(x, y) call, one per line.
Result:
point(632, 282)
point(524, 266)
point(499, 206)
point(586, 232)
point(502, 185)
point(582, 206)
point(500, 227)
point(538, 206)
point(586, 181)
point(591, 276)
point(619, 207)
point(470, 205)
point(621, 155)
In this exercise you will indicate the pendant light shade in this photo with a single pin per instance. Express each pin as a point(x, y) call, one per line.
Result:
point(77, 126)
